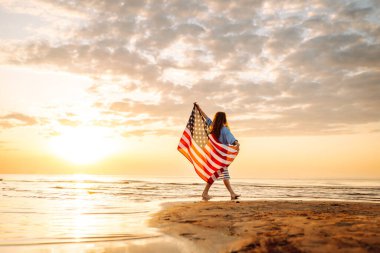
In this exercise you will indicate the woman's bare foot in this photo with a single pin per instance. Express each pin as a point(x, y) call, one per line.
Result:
point(235, 196)
point(206, 197)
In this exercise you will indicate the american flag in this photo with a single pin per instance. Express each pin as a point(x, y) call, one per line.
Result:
point(208, 156)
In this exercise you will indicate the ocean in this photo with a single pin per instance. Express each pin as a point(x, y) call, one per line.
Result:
point(108, 213)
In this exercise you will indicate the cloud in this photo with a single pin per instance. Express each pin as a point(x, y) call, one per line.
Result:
point(277, 68)
point(68, 122)
point(16, 119)
point(335, 52)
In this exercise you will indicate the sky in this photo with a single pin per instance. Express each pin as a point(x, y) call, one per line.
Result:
point(107, 87)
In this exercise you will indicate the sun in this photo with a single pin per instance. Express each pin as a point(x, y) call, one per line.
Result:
point(84, 145)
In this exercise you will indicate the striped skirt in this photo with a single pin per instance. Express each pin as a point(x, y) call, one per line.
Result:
point(225, 175)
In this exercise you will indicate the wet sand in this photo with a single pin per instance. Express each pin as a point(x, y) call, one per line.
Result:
point(273, 226)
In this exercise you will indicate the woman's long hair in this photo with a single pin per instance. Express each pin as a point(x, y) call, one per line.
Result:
point(220, 119)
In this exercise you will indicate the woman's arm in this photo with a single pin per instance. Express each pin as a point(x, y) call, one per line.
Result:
point(230, 138)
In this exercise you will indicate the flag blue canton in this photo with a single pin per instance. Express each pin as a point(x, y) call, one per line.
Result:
point(198, 128)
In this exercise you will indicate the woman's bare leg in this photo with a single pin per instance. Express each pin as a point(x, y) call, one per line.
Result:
point(205, 195)
point(229, 188)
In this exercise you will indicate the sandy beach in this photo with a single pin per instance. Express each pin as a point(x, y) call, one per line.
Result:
point(273, 226)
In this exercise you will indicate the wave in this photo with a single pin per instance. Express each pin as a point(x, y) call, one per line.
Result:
point(66, 240)
point(70, 181)
point(153, 189)
point(362, 194)
point(309, 186)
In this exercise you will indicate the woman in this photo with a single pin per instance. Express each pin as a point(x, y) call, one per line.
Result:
point(220, 130)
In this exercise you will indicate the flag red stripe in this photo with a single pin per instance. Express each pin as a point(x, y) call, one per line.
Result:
point(184, 153)
point(211, 157)
point(206, 157)
point(195, 167)
point(209, 168)
point(213, 147)
point(187, 135)
point(195, 159)
point(198, 163)
point(224, 158)
point(223, 152)
point(224, 148)
point(208, 161)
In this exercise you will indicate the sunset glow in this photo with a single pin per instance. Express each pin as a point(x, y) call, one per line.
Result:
point(84, 145)
point(108, 86)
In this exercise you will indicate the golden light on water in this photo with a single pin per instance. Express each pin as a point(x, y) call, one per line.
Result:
point(84, 145)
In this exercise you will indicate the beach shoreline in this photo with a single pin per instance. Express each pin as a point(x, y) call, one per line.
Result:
point(86, 214)
point(272, 225)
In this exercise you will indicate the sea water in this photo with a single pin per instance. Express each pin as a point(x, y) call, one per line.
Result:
point(108, 213)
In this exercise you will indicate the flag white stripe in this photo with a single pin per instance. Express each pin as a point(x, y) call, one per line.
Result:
point(221, 145)
point(222, 153)
point(198, 148)
point(208, 160)
point(217, 157)
point(194, 163)
point(211, 151)
point(201, 161)
point(213, 164)
point(195, 155)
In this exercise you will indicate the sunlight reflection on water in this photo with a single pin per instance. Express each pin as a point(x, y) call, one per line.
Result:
point(89, 213)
